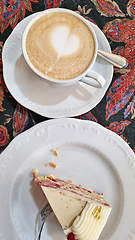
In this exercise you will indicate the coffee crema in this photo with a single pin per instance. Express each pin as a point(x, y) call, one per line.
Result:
point(60, 45)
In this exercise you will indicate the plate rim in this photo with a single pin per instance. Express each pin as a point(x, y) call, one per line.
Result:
point(72, 120)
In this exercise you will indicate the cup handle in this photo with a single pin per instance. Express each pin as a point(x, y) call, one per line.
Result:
point(94, 79)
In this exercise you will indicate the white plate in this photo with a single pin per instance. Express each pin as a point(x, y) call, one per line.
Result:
point(89, 155)
point(35, 94)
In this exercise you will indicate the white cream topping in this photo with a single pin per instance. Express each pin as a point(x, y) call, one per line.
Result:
point(63, 41)
point(90, 223)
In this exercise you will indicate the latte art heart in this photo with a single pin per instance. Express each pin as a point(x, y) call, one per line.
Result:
point(60, 45)
point(63, 41)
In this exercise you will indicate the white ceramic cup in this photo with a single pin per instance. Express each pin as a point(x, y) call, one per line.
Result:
point(88, 76)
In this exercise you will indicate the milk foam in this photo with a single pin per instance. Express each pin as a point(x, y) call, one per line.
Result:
point(64, 41)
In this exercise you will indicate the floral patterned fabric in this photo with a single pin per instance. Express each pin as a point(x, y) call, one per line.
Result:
point(116, 111)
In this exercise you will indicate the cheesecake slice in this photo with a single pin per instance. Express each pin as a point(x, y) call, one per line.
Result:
point(81, 212)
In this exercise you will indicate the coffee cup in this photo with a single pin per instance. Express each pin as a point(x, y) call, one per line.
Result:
point(61, 47)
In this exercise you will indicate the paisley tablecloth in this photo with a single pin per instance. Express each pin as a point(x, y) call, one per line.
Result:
point(116, 111)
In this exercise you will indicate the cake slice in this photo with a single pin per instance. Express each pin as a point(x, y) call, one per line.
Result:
point(81, 212)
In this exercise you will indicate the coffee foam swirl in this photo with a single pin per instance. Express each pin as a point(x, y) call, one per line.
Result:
point(60, 45)
point(64, 41)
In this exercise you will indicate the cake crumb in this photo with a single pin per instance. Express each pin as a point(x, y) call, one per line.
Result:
point(47, 165)
point(55, 152)
point(51, 176)
point(53, 165)
point(34, 173)
point(52, 150)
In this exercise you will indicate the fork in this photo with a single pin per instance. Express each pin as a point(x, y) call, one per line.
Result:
point(42, 217)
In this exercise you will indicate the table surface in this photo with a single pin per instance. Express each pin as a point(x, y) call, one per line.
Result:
point(116, 111)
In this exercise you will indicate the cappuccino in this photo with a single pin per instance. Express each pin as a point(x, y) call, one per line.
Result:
point(60, 45)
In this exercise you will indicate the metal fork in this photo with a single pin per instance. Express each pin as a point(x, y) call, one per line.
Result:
point(42, 217)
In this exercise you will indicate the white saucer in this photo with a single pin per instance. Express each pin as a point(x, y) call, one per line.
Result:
point(35, 94)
